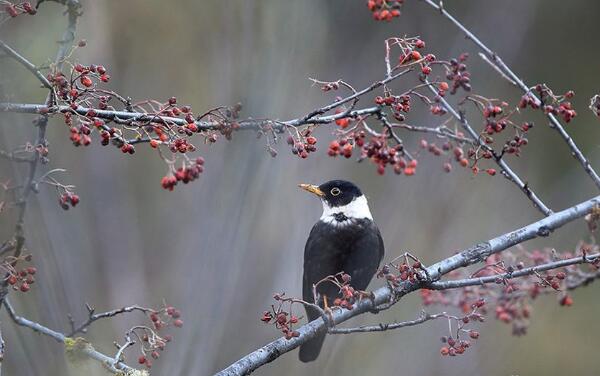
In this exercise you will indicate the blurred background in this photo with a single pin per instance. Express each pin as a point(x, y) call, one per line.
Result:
point(220, 247)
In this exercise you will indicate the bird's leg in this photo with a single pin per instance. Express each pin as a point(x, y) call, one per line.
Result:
point(328, 312)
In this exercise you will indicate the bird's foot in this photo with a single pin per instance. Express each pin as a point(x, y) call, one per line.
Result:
point(368, 295)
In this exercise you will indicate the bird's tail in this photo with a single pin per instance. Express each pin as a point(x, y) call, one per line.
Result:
point(310, 350)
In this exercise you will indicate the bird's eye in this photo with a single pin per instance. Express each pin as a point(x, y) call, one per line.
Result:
point(335, 191)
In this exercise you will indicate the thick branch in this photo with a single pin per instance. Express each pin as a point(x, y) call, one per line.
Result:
point(128, 117)
point(502, 67)
point(385, 295)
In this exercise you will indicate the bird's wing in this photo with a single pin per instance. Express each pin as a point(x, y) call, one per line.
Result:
point(367, 252)
point(321, 259)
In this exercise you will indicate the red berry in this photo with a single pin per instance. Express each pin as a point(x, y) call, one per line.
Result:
point(12, 279)
point(74, 199)
point(178, 323)
point(566, 301)
point(11, 10)
point(25, 287)
point(142, 359)
point(86, 81)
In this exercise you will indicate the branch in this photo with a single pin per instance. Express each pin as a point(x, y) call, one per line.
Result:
point(385, 295)
point(13, 157)
point(356, 95)
point(97, 316)
point(113, 363)
point(26, 63)
point(514, 79)
point(383, 327)
point(438, 131)
point(128, 117)
point(444, 285)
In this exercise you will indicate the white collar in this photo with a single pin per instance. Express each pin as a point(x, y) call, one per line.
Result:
point(356, 209)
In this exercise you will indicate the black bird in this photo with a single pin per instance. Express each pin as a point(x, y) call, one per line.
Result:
point(344, 239)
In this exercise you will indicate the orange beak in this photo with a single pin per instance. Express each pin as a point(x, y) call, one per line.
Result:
point(312, 189)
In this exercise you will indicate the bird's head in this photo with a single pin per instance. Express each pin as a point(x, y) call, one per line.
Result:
point(341, 199)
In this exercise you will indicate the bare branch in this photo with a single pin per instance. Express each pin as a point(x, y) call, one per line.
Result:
point(13, 157)
point(97, 316)
point(424, 317)
point(26, 63)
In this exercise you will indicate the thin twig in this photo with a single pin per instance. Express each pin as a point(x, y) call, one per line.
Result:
point(97, 316)
point(424, 317)
point(26, 63)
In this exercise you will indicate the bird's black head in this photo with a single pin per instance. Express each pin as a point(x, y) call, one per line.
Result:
point(335, 192)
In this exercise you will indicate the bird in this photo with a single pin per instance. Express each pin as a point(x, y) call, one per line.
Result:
point(345, 239)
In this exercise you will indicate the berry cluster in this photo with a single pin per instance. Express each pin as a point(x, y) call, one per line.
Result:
point(512, 297)
point(283, 320)
point(67, 200)
point(25, 7)
point(552, 104)
point(304, 144)
point(396, 272)
point(19, 279)
point(151, 344)
point(348, 295)
point(385, 10)
point(185, 174)
point(81, 87)
point(399, 104)
point(457, 73)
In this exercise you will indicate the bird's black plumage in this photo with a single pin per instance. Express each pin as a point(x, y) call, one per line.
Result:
point(344, 241)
